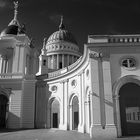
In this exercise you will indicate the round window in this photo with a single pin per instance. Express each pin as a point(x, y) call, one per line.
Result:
point(129, 63)
point(73, 83)
point(54, 88)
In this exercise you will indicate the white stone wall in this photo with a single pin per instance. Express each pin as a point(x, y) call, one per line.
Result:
point(118, 71)
point(14, 115)
point(28, 104)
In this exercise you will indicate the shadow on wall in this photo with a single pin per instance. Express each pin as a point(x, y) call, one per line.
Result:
point(13, 121)
point(105, 101)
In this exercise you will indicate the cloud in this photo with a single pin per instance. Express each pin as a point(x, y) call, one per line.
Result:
point(2, 3)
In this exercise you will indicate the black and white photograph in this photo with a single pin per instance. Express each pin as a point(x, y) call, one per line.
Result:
point(69, 70)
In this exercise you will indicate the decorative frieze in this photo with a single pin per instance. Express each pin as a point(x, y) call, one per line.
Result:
point(95, 55)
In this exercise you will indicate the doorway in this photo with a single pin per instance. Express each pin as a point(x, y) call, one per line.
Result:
point(55, 120)
point(3, 111)
point(75, 113)
point(55, 115)
point(130, 109)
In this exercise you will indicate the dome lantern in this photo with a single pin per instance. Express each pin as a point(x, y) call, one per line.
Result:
point(61, 26)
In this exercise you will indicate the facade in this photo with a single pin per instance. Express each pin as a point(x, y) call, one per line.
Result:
point(95, 93)
point(18, 66)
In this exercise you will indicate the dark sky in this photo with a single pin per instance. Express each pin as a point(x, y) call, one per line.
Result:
point(81, 17)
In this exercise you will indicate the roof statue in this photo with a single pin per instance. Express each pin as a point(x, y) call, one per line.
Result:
point(15, 21)
point(15, 11)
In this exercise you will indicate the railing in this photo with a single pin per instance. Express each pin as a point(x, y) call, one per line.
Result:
point(57, 73)
point(114, 38)
point(74, 64)
point(11, 75)
point(64, 70)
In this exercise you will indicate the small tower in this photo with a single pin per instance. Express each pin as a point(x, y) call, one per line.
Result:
point(18, 66)
point(43, 60)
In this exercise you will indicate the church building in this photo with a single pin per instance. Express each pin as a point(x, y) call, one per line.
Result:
point(97, 92)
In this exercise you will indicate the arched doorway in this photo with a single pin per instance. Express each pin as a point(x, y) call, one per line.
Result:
point(75, 113)
point(55, 113)
point(3, 110)
point(130, 109)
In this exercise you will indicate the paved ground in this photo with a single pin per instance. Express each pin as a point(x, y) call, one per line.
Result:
point(50, 134)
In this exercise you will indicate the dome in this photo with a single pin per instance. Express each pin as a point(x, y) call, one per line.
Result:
point(13, 30)
point(14, 27)
point(61, 35)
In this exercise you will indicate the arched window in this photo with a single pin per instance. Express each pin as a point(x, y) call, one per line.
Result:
point(44, 62)
point(60, 65)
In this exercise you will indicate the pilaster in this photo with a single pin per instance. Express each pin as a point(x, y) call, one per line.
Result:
point(81, 127)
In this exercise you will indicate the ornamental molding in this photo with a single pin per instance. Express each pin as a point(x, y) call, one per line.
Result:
point(54, 88)
point(64, 81)
point(95, 55)
point(128, 63)
point(21, 44)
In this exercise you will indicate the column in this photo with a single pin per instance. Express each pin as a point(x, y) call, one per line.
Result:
point(101, 93)
point(81, 102)
point(67, 103)
point(49, 61)
point(0, 64)
point(52, 62)
point(83, 97)
point(65, 106)
point(70, 117)
point(91, 114)
point(72, 59)
point(117, 114)
point(57, 61)
point(4, 66)
point(16, 58)
point(63, 61)
point(67, 60)
point(89, 104)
